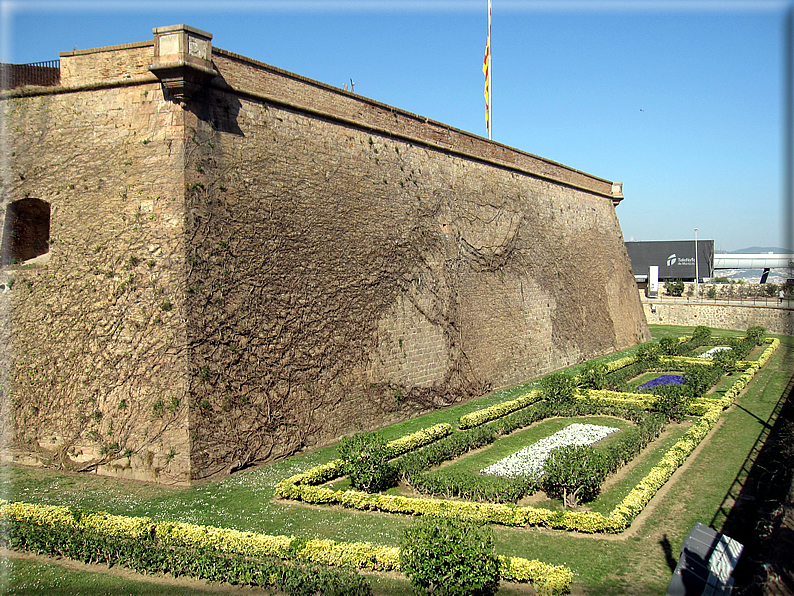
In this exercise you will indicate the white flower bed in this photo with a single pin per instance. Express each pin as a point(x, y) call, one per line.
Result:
point(710, 354)
point(529, 460)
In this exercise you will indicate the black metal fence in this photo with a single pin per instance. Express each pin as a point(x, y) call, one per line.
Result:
point(37, 73)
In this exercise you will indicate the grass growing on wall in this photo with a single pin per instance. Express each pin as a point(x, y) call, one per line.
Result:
point(636, 561)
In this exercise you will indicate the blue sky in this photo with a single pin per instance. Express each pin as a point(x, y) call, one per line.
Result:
point(682, 101)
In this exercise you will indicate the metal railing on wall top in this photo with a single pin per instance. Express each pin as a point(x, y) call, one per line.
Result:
point(45, 74)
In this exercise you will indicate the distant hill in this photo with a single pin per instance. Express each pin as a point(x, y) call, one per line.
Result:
point(758, 250)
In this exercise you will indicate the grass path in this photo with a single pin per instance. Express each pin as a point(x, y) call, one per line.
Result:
point(637, 562)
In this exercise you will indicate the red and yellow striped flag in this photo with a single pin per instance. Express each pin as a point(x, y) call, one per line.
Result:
point(486, 69)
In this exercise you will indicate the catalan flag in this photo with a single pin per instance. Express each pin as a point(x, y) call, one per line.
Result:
point(486, 69)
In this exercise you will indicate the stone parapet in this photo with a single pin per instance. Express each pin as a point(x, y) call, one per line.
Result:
point(269, 83)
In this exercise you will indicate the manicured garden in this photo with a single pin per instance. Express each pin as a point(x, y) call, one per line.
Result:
point(304, 512)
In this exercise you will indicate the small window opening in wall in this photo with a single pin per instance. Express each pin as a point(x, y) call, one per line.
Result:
point(26, 234)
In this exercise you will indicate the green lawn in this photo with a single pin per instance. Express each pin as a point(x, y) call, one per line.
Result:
point(19, 577)
point(636, 562)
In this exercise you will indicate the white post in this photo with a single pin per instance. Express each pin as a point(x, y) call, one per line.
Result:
point(697, 270)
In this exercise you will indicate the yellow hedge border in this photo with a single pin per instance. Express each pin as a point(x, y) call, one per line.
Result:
point(620, 363)
point(361, 555)
point(498, 410)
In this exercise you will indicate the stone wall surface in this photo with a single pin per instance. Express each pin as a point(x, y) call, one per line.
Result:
point(279, 263)
point(103, 65)
point(96, 354)
point(721, 316)
point(340, 278)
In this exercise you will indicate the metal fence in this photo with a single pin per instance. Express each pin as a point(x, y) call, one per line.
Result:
point(37, 73)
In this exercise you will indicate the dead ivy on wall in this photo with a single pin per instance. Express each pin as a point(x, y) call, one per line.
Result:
point(300, 243)
point(94, 377)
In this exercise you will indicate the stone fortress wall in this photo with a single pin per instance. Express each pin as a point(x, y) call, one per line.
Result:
point(243, 262)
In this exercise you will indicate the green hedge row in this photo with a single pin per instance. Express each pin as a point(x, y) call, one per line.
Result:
point(211, 554)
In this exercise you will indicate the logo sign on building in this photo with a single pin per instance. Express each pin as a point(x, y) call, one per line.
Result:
point(675, 258)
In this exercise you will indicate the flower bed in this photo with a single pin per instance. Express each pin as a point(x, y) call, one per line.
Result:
point(510, 515)
point(662, 380)
point(715, 350)
point(529, 460)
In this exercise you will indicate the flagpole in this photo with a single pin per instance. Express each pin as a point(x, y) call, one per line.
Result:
point(486, 68)
point(488, 75)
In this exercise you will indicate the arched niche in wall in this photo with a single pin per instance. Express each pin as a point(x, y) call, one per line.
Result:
point(26, 233)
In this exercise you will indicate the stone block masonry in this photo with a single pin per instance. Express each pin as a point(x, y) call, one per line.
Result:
point(269, 263)
point(778, 320)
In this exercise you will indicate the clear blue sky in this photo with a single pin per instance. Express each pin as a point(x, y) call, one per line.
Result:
point(681, 101)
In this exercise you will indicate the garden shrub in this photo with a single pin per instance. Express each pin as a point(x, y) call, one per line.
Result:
point(366, 461)
point(701, 335)
point(699, 378)
point(672, 401)
point(558, 387)
point(741, 346)
point(632, 440)
point(755, 335)
point(670, 346)
point(593, 376)
point(449, 557)
point(648, 353)
point(725, 360)
point(674, 287)
point(574, 473)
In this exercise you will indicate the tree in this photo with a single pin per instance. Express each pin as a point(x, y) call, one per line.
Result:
point(725, 360)
point(755, 334)
point(771, 290)
point(558, 388)
point(672, 401)
point(574, 473)
point(450, 557)
point(366, 458)
point(648, 352)
point(701, 335)
point(593, 376)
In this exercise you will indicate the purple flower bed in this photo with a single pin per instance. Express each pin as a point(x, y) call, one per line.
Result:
point(663, 380)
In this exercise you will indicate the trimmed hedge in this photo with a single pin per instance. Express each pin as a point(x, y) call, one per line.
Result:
point(219, 554)
point(498, 410)
point(139, 543)
point(419, 439)
point(620, 363)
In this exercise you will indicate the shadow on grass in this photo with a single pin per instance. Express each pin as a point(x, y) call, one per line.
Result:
point(668, 552)
point(753, 509)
